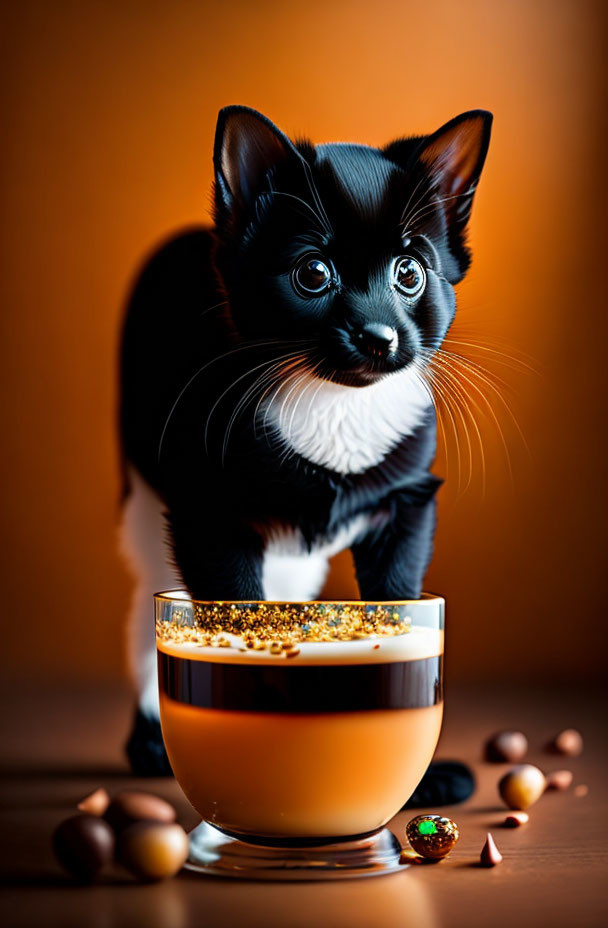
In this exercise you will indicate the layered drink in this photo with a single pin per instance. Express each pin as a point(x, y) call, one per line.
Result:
point(302, 723)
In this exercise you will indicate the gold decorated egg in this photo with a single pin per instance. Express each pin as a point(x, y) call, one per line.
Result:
point(432, 835)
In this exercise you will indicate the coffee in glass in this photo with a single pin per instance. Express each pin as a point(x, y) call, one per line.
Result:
point(298, 727)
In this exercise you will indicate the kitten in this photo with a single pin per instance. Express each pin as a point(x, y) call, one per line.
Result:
point(274, 405)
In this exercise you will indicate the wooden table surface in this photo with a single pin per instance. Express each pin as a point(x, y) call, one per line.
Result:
point(59, 746)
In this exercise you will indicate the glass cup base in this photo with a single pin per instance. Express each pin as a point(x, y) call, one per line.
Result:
point(218, 854)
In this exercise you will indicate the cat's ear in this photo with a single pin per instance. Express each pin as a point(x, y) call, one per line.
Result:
point(454, 156)
point(247, 146)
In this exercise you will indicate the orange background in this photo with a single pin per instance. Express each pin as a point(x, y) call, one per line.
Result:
point(108, 115)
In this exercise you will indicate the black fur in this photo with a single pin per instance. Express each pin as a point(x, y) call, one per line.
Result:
point(212, 307)
point(179, 392)
point(145, 748)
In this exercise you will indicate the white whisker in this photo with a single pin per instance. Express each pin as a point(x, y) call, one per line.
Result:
point(426, 192)
point(226, 354)
point(425, 210)
point(216, 306)
point(231, 386)
point(317, 216)
point(258, 383)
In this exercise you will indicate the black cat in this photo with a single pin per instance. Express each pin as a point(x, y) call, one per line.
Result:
point(274, 402)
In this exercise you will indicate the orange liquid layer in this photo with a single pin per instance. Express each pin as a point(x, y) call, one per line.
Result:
point(297, 775)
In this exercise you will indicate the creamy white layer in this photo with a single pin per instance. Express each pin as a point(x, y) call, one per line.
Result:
point(417, 644)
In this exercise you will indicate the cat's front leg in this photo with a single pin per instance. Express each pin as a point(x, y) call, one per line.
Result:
point(218, 557)
point(391, 561)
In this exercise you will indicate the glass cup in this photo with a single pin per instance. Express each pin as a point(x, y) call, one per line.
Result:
point(298, 730)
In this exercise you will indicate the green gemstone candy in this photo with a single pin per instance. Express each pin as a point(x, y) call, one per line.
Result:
point(432, 836)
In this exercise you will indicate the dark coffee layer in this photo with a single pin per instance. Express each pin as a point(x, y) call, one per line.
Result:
point(321, 841)
point(304, 688)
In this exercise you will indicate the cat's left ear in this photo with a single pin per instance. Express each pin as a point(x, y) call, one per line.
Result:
point(454, 156)
point(247, 147)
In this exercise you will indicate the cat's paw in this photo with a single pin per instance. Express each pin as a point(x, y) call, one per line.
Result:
point(444, 783)
point(145, 748)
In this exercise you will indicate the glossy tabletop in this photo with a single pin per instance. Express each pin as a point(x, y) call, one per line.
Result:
point(59, 746)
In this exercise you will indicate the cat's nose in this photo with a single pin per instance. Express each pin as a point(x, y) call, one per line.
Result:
point(376, 340)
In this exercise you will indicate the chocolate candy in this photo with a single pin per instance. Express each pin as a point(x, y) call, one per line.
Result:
point(506, 746)
point(522, 786)
point(153, 850)
point(83, 845)
point(432, 836)
point(131, 806)
point(490, 855)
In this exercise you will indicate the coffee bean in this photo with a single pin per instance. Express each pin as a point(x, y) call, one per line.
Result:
point(153, 850)
point(83, 845)
point(130, 806)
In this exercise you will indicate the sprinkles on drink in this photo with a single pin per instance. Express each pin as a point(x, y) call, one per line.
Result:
point(281, 627)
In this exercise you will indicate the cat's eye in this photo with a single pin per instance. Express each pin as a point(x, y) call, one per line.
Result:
point(409, 277)
point(312, 277)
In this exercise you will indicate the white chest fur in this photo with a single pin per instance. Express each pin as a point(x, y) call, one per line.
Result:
point(347, 429)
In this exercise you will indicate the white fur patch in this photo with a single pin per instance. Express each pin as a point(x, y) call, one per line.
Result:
point(290, 572)
point(347, 429)
point(142, 542)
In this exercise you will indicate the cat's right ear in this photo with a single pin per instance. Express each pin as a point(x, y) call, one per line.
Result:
point(247, 146)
